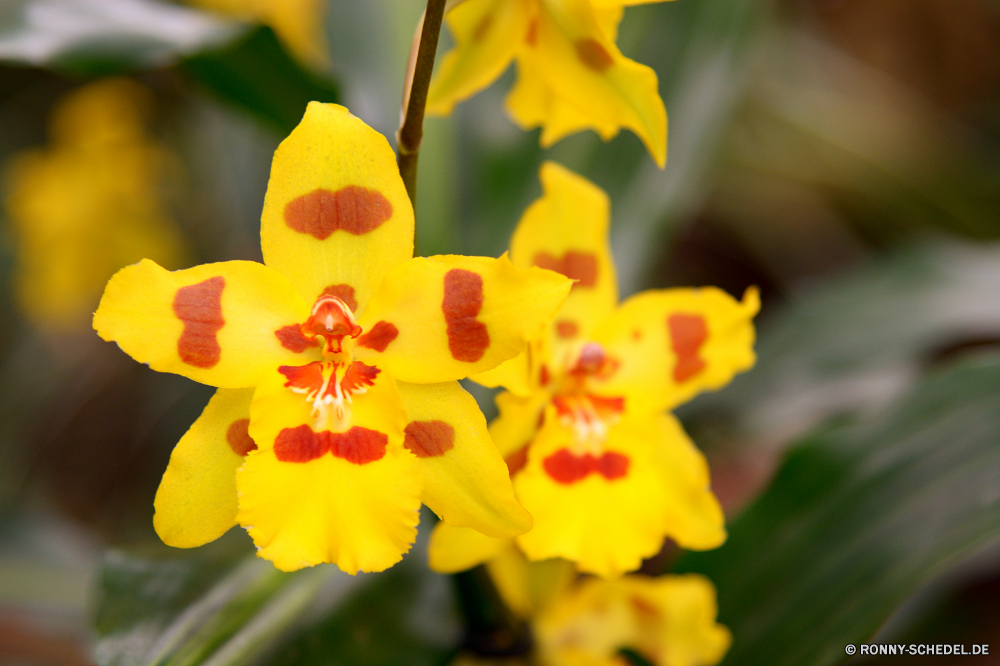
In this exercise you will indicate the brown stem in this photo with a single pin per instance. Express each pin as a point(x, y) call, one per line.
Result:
point(411, 131)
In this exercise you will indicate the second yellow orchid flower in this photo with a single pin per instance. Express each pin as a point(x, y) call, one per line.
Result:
point(570, 74)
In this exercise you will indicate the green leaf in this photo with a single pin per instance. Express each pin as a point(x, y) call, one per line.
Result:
point(860, 516)
point(101, 36)
point(257, 75)
point(218, 606)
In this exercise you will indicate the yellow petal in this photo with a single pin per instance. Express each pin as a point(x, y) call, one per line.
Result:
point(336, 213)
point(669, 345)
point(487, 35)
point(454, 316)
point(694, 518)
point(218, 324)
point(516, 426)
point(465, 480)
point(668, 620)
point(585, 70)
point(567, 231)
point(606, 512)
point(326, 487)
point(452, 549)
point(527, 587)
point(196, 500)
point(513, 374)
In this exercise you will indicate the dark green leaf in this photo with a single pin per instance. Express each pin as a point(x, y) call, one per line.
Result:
point(257, 75)
point(100, 36)
point(859, 517)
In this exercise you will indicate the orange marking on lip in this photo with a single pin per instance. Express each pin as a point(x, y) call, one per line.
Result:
point(566, 329)
point(354, 209)
point(199, 306)
point(358, 376)
point(379, 336)
point(579, 266)
point(239, 439)
point(358, 445)
point(565, 468)
point(687, 334)
point(429, 439)
point(468, 338)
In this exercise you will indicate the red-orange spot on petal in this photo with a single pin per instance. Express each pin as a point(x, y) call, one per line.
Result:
point(532, 35)
point(579, 266)
point(468, 338)
point(358, 445)
point(354, 209)
point(517, 460)
point(636, 334)
point(300, 445)
point(291, 338)
point(344, 292)
point(359, 375)
point(543, 375)
point(199, 306)
point(427, 439)
point(379, 336)
point(687, 334)
point(592, 54)
point(239, 439)
point(566, 328)
point(566, 468)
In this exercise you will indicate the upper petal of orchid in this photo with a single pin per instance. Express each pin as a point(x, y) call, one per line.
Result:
point(441, 318)
point(336, 215)
point(487, 35)
point(666, 346)
point(218, 324)
point(579, 63)
point(567, 231)
point(328, 484)
point(196, 500)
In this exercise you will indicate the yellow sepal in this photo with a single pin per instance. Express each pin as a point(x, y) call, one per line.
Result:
point(214, 323)
point(196, 500)
point(452, 549)
point(336, 213)
point(465, 480)
point(455, 316)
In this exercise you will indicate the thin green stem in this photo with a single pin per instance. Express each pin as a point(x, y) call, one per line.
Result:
point(415, 98)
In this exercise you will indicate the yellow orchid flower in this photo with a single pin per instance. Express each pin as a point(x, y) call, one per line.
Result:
point(594, 458)
point(668, 621)
point(297, 23)
point(88, 203)
point(570, 74)
point(338, 408)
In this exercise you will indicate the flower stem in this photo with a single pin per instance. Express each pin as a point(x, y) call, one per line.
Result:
point(418, 79)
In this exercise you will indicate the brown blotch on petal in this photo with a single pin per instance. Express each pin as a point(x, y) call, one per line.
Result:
point(199, 306)
point(517, 460)
point(291, 338)
point(468, 338)
point(593, 55)
point(379, 337)
point(428, 439)
point(687, 334)
point(566, 329)
point(358, 445)
point(354, 209)
point(482, 28)
point(344, 292)
point(239, 439)
point(532, 35)
point(579, 266)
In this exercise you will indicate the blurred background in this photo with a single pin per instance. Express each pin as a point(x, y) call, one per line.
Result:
point(844, 155)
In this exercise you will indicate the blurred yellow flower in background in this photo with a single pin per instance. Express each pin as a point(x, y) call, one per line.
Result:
point(297, 23)
point(89, 202)
point(570, 74)
point(604, 470)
